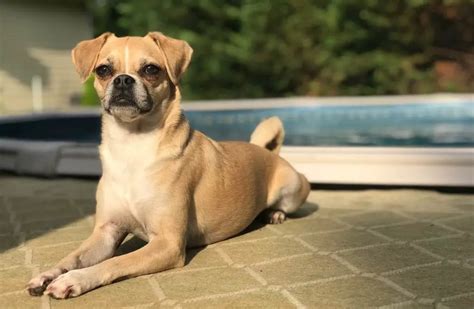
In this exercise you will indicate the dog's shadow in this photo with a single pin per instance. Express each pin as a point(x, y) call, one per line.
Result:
point(306, 210)
point(136, 243)
point(261, 221)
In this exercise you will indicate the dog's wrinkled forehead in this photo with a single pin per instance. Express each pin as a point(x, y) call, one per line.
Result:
point(129, 54)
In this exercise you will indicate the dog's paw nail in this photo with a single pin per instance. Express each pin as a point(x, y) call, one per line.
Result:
point(36, 291)
point(277, 217)
point(38, 285)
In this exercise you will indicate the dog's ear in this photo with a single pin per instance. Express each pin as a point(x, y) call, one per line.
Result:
point(177, 54)
point(85, 54)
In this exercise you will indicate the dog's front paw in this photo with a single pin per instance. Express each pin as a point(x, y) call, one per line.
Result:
point(38, 284)
point(70, 284)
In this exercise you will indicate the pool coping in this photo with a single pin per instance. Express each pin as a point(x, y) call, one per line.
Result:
point(239, 104)
point(451, 167)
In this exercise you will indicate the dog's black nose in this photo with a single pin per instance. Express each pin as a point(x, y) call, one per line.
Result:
point(123, 81)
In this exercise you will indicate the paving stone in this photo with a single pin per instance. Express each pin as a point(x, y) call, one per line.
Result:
point(436, 281)
point(55, 223)
point(308, 210)
point(47, 215)
point(463, 202)
point(297, 227)
point(258, 299)
point(192, 284)
point(207, 257)
point(14, 279)
point(7, 242)
point(465, 224)
point(35, 214)
point(342, 240)
point(52, 254)
point(131, 292)
point(86, 222)
point(11, 257)
point(464, 302)
point(424, 215)
point(6, 228)
point(36, 204)
point(52, 212)
point(57, 236)
point(335, 212)
point(421, 200)
point(356, 292)
point(252, 234)
point(32, 224)
point(4, 214)
point(87, 206)
point(70, 188)
point(20, 300)
point(338, 199)
point(413, 305)
point(452, 248)
point(414, 231)
point(386, 258)
point(300, 269)
point(466, 207)
point(265, 249)
point(374, 218)
point(21, 186)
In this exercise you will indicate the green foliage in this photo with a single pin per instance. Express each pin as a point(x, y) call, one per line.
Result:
point(89, 95)
point(270, 48)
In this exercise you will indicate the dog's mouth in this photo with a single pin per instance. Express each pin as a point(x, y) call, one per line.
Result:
point(122, 106)
point(126, 107)
point(122, 100)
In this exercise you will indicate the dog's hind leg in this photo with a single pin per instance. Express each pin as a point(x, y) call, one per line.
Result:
point(289, 191)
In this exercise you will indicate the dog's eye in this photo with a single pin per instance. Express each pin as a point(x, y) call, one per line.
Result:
point(151, 69)
point(103, 71)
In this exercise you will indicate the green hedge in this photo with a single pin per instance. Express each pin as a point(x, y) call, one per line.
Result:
point(303, 47)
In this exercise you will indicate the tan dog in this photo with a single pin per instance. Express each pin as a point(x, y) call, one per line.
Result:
point(163, 181)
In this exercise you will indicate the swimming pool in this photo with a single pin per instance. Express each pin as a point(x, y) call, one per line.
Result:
point(409, 124)
point(425, 122)
point(420, 125)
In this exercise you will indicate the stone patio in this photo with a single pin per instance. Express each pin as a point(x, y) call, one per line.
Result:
point(368, 248)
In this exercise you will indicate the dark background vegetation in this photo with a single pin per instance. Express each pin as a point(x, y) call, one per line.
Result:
point(273, 48)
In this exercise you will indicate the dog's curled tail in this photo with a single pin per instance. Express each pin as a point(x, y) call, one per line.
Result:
point(269, 134)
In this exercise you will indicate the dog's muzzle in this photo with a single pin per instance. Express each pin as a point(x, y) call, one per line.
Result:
point(128, 97)
point(122, 93)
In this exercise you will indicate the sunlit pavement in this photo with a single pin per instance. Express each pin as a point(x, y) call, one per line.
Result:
point(397, 248)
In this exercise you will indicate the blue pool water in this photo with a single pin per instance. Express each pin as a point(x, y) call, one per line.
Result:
point(351, 125)
point(415, 125)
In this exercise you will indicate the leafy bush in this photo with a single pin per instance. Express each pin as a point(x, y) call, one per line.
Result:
point(271, 48)
point(89, 95)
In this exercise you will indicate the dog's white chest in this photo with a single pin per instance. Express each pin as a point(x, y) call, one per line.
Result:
point(128, 168)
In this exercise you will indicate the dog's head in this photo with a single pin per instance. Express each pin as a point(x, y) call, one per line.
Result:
point(132, 74)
